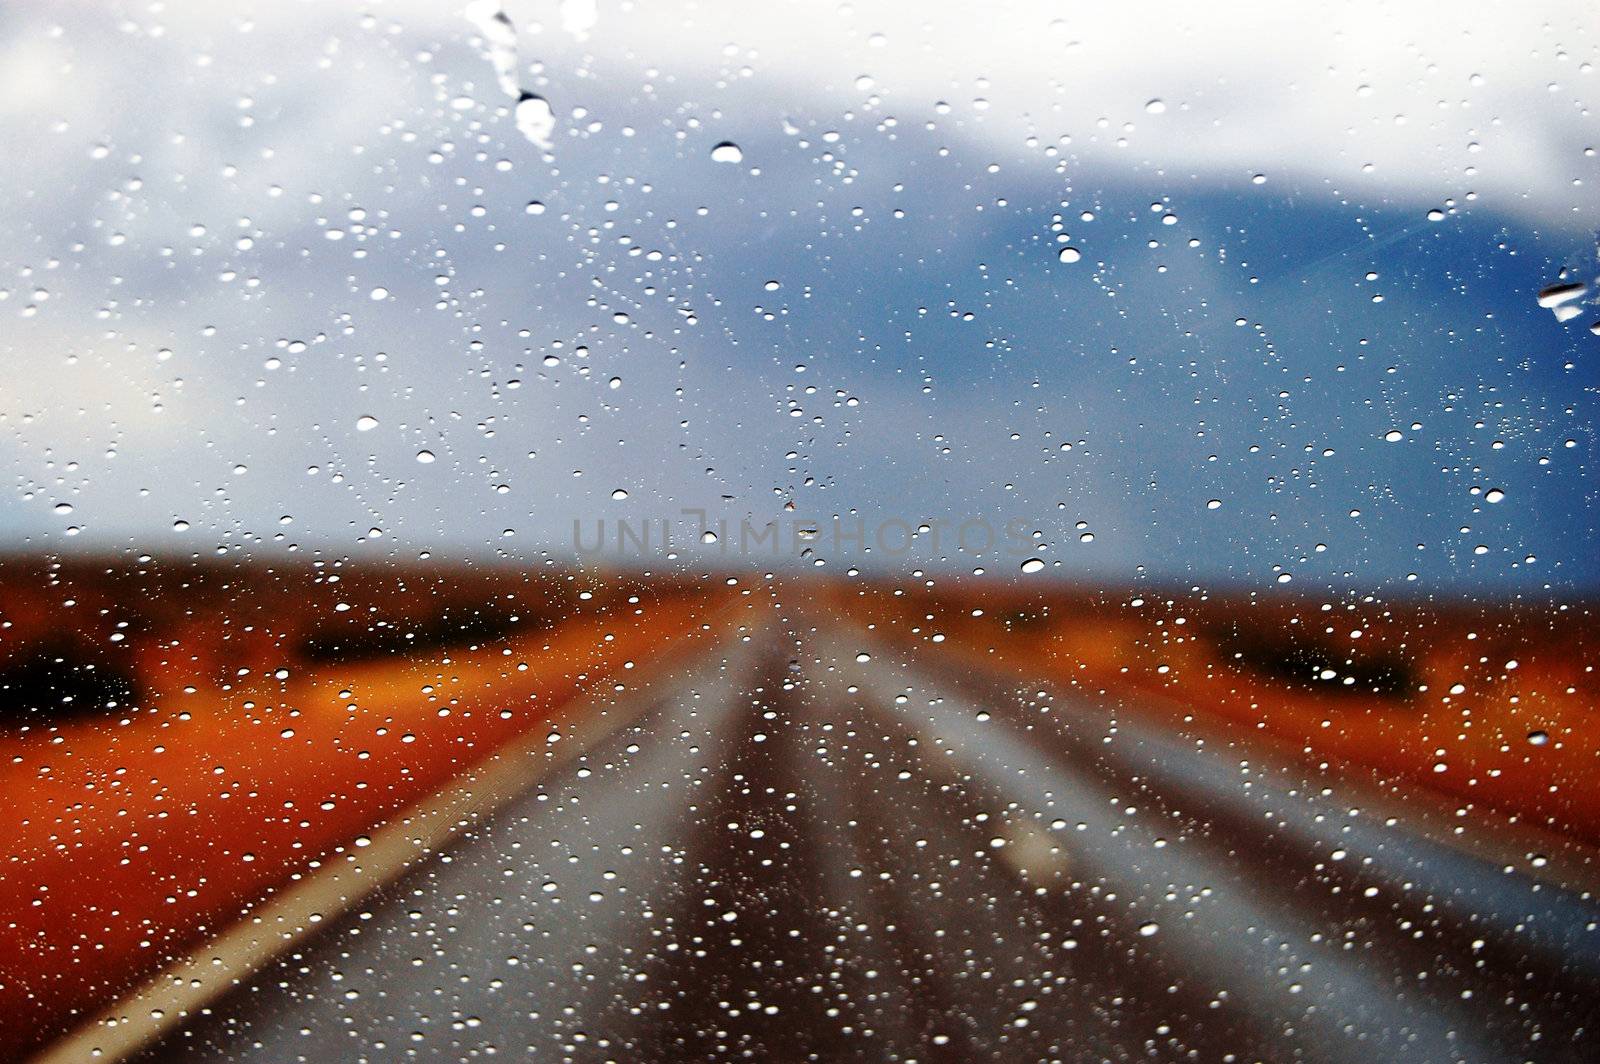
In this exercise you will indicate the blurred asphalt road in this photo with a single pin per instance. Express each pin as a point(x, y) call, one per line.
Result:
point(816, 848)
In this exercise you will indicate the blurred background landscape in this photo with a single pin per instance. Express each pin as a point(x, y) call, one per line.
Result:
point(1254, 347)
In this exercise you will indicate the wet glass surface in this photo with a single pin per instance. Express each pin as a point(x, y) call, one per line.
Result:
point(631, 530)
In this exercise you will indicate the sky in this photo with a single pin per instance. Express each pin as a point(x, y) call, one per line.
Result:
point(1237, 295)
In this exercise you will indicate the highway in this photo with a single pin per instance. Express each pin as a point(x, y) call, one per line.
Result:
point(813, 845)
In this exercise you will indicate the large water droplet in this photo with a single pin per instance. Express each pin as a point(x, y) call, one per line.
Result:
point(490, 19)
point(1557, 294)
point(578, 17)
point(535, 119)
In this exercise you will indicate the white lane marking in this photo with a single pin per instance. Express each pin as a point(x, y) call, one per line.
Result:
point(293, 914)
point(1245, 940)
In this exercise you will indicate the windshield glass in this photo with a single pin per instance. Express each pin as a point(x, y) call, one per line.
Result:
point(616, 529)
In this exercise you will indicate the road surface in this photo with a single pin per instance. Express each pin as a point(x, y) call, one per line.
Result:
point(813, 846)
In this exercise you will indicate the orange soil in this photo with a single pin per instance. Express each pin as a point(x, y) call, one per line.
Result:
point(1144, 661)
point(130, 844)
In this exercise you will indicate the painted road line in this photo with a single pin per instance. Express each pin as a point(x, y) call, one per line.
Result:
point(296, 912)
